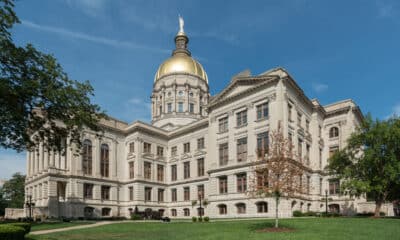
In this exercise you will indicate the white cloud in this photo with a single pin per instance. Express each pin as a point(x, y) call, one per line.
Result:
point(138, 109)
point(90, 38)
point(395, 111)
point(90, 7)
point(319, 87)
point(11, 162)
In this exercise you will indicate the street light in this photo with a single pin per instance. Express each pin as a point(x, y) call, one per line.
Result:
point(30, 205)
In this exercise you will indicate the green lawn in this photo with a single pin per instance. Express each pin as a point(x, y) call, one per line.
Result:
point(54, 225)
point(306, 229)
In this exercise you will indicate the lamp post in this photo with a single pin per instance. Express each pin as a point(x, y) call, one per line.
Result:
point(30, 205)
point(326, 202)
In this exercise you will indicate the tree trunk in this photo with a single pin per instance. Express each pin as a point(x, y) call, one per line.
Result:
point(378, 205)
point(276, 212)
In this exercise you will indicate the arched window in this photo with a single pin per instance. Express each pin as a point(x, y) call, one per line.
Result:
point(241, 208)
point(104, 160)
point(173, 212)
point(334, 132)
point(222, 209)
point(186, 212)
point(87, 157)
point(262, 207)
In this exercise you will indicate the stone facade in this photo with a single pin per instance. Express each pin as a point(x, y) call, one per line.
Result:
point(191, 146)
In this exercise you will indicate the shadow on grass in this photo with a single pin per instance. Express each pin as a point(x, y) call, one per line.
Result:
point(257, 227)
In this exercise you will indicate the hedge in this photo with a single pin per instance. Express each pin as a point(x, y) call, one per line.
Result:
point(25, 226)
point(11, 232)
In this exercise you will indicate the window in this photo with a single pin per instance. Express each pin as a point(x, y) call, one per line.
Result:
point(186, 193)
point(223, 154)
point(222, 209)
point(241, 182)
point(131, 170)
point(262, 111)
point(104, 160)
point(160, 173)
point(160, 151)
point(319, 131)
point(173, 173)
point(180, 107)
point(262, 207)
point(173, 195)
point(223, 185)
point(241, 118)
point(174, 151)
point(308, 154)
point(173, 212)
point(262, 178)
point(223, 124)
point(105, 212)
point(87, 157)
point(186, 147)
point(262, 144)
point(299, 118)
point(320, 186)
point(241, 150)
point(147, 170)
point(146, 147)
point(200, 143)
point(308, 184)
point(130, 193)
point(241, 208)
point(105, 192)
point(88, 190)
point(334, 132)
point(191, 107)
point(333, 150)
point(186, 212)
point(169, 107)
point(300, 147)
point(180, 93)
point(200, 191)
point(320, 158)
point(200, 167)
point(147, 193)
point(132, 147)
point(290, 112)
point(307, 125)
point(334, 187)
point(160, 109)
point(186, 170)
point(160, 195)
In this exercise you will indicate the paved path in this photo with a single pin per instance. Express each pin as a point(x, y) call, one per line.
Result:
point(75, 227)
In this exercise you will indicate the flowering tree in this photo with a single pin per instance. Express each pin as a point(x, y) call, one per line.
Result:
point(277, 170)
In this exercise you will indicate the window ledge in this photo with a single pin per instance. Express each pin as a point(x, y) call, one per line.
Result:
point(261, 119)
point(241, 126)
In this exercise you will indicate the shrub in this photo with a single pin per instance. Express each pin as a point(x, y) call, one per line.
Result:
point(200, 219)
point(206, 219)
point(310, 214)
point(11, 232)
point(382, 214)
point(25, 226)
point(136, 217)
point(194, 219)
point(297, 213)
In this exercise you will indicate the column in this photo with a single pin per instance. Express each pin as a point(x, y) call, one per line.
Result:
point(28, 163)
point(40, 154)
point(96, 157)
point(114, 163)
point(45, 158)
point(36, 160)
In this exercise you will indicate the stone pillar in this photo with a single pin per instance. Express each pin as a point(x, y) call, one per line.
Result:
point(28, 163)
point(45, 158)
point(96, 157)
point(41, 159)
point(37, 160)
point(114, 163)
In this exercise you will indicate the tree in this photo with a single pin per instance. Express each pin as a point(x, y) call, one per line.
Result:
point(37, 98)
point(3, 203)
point(13, 191)
point(370, 164)
point(278, 173)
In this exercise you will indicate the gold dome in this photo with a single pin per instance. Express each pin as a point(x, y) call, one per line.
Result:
point(181, 63)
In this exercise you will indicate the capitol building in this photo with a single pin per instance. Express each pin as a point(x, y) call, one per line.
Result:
point(197, 146)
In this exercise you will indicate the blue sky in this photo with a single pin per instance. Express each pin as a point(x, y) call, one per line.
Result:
point(333, 49)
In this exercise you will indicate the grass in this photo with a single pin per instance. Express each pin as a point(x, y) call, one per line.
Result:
point(306, 229)
point(55, 225)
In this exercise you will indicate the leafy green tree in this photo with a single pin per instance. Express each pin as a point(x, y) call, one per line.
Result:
point(37, 98)
point(3, 203)
point(370, 164)
point(13, 191)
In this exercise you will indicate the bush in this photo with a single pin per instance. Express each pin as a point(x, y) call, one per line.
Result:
point(11, 232)
point(310, 214)
point(331, 214)
point(206, 219)
point(25, 226)
point(194, 219)
point(136, 217)
point(297, 213)
point(200, 219)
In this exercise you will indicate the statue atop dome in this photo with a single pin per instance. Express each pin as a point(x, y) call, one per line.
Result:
point(181, 24)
